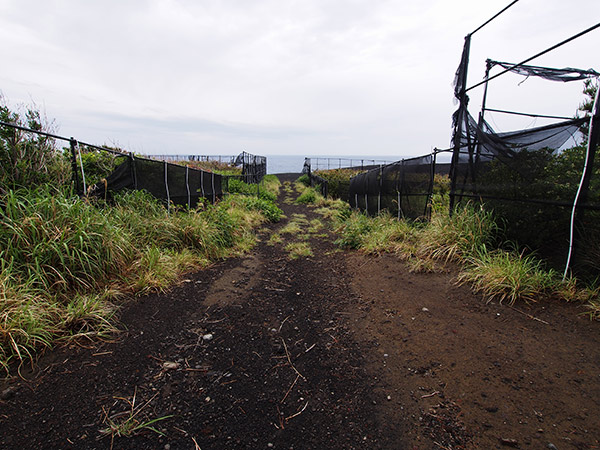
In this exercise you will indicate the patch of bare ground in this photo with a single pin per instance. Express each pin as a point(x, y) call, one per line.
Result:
point(466, 374)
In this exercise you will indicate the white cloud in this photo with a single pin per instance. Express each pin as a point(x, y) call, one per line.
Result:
point(332, 76)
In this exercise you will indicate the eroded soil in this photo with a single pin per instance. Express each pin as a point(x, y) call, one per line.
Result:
point(335, 350)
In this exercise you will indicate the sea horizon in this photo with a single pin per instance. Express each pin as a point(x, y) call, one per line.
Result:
point(294, 163)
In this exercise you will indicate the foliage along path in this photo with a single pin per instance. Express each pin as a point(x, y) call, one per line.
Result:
point(331, 350)
point(250, 353)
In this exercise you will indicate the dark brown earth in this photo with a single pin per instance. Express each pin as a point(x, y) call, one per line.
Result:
point(337, 350)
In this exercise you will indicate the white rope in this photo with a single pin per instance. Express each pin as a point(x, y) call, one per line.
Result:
point(585, 165)
point(187, 185)
point(82, 171)
point(167, 189)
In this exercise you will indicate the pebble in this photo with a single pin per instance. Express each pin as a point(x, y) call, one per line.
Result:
point(208, 337)
point(425, 309)
point(389, 397)
point(7, 393)
point(207, 399)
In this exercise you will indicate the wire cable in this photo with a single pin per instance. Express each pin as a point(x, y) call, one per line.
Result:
point(483, 25)
point(554, 47)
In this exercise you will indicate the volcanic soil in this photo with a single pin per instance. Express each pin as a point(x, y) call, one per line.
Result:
point(336, 350)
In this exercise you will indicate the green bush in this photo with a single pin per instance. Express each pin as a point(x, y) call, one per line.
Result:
point(264, 189)
point(304, 179)
point(338, 181)
point(354, 231)
point(309, 195)
point(28, 159)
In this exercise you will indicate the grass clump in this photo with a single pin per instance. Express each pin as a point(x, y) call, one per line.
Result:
point(299, 250)
point(308, 196)
point(457, 237)
point(509, 276)
point(267, 189)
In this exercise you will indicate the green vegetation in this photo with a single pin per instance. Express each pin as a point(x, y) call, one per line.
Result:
point(467, 237)
point(267, 189)
point(299, 249)
point(131, 421)
point(67, 263)
point(307, 197)
point(28, 159)
point(338, 181)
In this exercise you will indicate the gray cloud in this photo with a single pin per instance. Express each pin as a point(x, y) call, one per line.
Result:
point(333, 76)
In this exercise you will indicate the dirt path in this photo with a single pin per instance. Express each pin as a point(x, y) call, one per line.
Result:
point(334, 350)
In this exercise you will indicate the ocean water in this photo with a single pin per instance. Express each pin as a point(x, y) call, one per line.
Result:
point(295, 163)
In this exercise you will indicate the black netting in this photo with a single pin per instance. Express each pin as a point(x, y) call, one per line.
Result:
point(531, 179)
point(169, 182)
point(254, 167)
point(403, 188)
point(530, 183)
point(564, 75)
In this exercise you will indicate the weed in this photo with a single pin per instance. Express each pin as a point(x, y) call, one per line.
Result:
point(299, 250)
point(131, 421)
point(275, 238)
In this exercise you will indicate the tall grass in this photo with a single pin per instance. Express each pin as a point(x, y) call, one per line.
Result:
point(65, 261)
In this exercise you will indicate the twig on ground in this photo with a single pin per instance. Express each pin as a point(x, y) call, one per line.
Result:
point(528, 315)
point(288, 391)
point(280, 417)
point(196, 446)
point(290, 360)
point(310, 348)
point(297, 414)
point(430, 395)
point(279, 331)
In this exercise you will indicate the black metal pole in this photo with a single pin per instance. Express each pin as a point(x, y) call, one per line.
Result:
point(73, 144)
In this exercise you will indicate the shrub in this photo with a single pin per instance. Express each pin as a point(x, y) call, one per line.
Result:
point(309, 195)
point(28, 159)
point(338, 181)
point(353, 232)
point(304, 179)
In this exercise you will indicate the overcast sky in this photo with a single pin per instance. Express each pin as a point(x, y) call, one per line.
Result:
point(306, 77)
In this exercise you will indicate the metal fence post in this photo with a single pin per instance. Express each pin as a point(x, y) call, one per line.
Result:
point(73, 143)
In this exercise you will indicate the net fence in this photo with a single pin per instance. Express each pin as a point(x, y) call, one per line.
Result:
point(178, 184)
point(172, 183)
point(403, 188)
